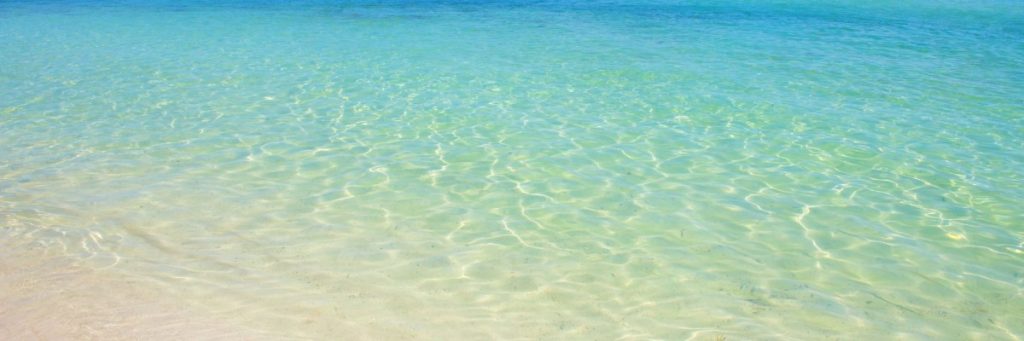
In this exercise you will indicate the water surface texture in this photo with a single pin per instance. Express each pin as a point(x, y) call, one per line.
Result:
point(673, 170)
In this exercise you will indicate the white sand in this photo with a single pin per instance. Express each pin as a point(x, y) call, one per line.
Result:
point(48, 297)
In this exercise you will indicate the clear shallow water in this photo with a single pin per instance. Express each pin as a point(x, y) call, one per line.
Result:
point(530, 169)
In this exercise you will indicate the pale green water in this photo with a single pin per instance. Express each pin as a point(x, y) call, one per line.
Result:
point(753, 170)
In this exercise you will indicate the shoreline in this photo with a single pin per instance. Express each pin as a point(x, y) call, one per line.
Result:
point(49, 297)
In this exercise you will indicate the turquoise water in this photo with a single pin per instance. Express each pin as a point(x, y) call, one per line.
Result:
point(530, 169)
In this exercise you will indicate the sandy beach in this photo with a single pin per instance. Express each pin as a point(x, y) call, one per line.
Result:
point(49, 297)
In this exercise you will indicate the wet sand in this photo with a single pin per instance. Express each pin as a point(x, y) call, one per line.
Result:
point(49, 297)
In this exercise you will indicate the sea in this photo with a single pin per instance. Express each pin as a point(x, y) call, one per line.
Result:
point(519, 169)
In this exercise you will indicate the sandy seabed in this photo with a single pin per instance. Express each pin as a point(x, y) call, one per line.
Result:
point(49, 297)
